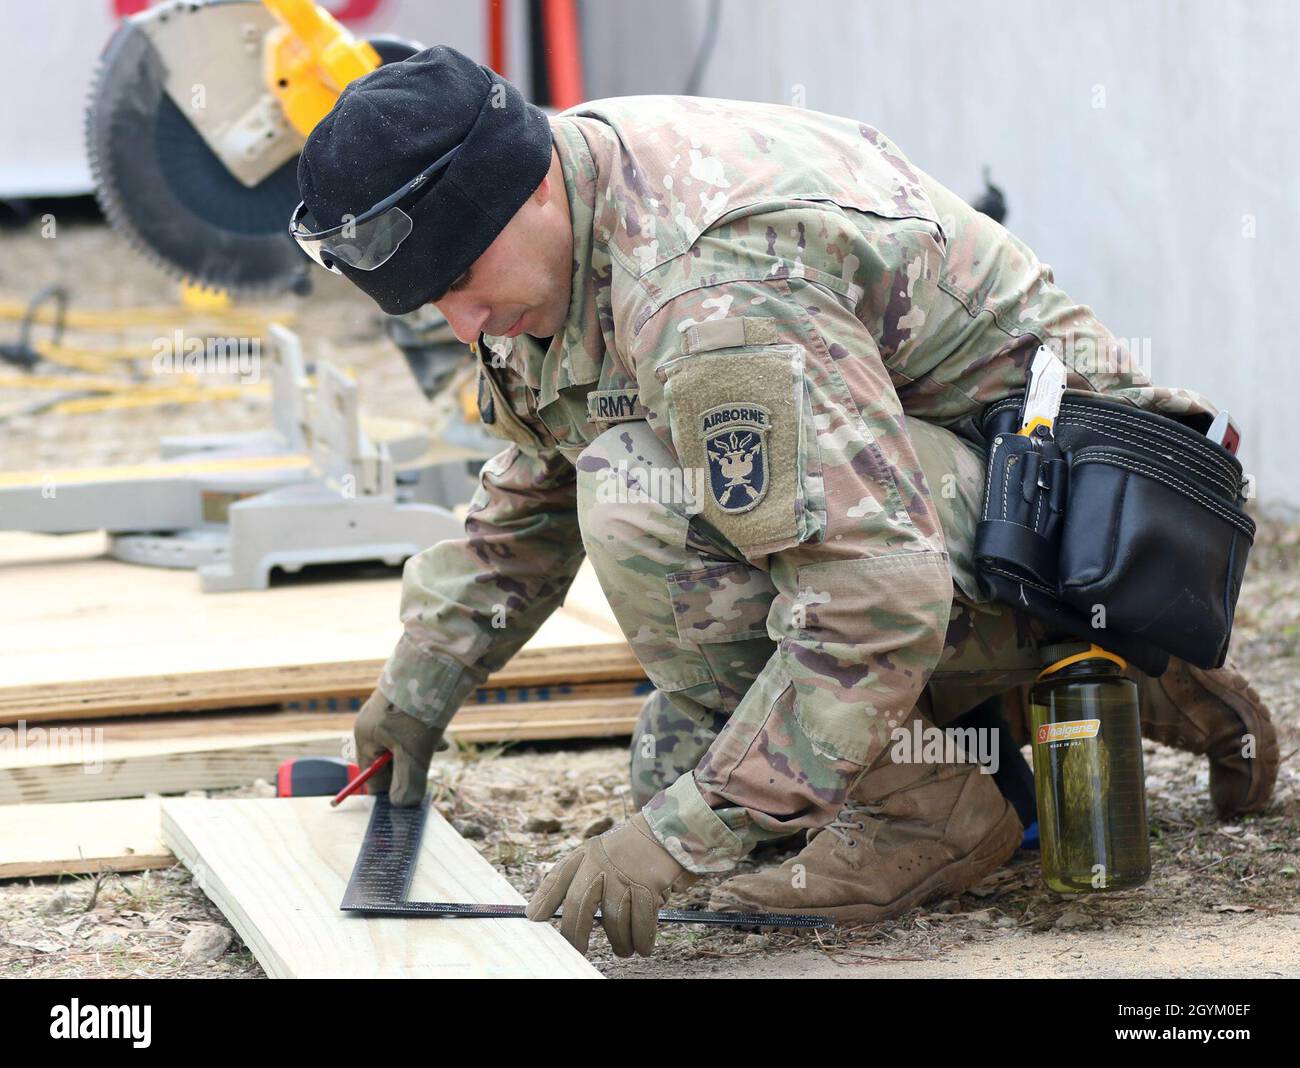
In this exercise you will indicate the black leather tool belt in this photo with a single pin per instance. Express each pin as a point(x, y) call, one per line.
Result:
point(1124, 528)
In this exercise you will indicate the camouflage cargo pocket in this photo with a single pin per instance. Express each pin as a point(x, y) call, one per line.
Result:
point(865, 629)
point(726, 602)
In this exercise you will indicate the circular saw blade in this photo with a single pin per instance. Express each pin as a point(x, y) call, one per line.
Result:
point(159, 183)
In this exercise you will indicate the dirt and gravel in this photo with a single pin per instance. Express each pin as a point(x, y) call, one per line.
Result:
point(1224, 899)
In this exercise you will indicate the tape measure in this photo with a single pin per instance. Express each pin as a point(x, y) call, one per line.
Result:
point(386, 864)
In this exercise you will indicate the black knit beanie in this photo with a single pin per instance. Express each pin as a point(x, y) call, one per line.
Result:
point(388, 126)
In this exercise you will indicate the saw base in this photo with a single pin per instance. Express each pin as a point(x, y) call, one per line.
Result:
point(317, 488)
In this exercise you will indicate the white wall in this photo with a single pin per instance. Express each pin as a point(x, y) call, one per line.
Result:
point(1138, 144)
point(1140, 205)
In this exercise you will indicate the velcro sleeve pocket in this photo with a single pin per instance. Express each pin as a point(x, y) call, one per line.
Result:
point(735, 417)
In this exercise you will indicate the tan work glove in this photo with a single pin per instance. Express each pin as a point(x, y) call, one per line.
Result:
point(627, 873)
point(383, 727)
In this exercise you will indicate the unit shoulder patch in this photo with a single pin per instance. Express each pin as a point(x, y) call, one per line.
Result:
point(736, 417)
point(735, 441)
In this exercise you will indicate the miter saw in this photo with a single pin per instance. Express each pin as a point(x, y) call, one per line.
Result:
point(195, 123)
point(194, 127)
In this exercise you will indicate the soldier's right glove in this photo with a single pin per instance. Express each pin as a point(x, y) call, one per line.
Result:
point(627, 873)
point(383, 727)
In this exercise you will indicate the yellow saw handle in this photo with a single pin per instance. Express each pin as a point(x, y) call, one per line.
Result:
point(309, 58)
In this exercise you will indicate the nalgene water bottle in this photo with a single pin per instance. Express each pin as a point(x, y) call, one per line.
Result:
point(1087, 741)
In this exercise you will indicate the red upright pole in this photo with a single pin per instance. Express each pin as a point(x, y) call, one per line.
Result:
point(496, 20)
point(564, 52)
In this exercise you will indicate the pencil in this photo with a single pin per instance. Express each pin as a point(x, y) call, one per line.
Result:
point(360, 780)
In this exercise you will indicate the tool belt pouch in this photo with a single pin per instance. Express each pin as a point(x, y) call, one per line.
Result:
point(1124, 528)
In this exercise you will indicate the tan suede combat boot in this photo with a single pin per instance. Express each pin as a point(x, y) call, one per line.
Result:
point(1217, 713)
point(908, 833)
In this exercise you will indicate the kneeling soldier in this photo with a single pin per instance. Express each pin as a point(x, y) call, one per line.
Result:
point(739, 352)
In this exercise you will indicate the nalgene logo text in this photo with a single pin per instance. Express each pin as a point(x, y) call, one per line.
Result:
point(1070, 731)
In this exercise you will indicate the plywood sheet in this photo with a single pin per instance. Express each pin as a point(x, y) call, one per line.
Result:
point(84, 635)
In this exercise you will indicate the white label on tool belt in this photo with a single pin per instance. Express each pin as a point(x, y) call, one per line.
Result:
point(1068, 731)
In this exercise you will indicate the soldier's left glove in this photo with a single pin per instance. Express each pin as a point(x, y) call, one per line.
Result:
point(627, 873)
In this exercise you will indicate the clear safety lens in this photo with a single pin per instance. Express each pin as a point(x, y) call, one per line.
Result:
point(363, 245)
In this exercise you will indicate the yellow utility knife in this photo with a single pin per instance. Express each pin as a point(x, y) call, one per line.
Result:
point(1043, 395)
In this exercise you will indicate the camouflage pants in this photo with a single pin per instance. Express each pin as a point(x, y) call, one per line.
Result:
point(695, 610)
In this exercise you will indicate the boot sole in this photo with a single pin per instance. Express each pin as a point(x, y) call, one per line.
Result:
point(994, 850)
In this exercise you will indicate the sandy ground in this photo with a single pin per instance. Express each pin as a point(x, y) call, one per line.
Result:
point(1223, 900)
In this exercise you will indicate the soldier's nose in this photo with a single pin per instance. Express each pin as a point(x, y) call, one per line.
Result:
point(466, 322)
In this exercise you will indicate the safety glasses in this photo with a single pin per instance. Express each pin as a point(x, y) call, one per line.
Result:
point(369, 240)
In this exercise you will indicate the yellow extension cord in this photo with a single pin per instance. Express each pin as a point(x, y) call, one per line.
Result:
point(99, 362)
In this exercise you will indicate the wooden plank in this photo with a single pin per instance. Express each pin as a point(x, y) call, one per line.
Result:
point(96, 759)
point(254, 687)
point(73, 839)
point(277, 869)
point(122, 772)
point(506, 695)
point(602, 717)
point(85, 636)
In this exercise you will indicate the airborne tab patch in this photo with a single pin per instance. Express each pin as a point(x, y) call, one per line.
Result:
point(736, 446)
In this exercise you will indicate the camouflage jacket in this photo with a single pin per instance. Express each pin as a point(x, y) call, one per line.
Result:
point(753, 265)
